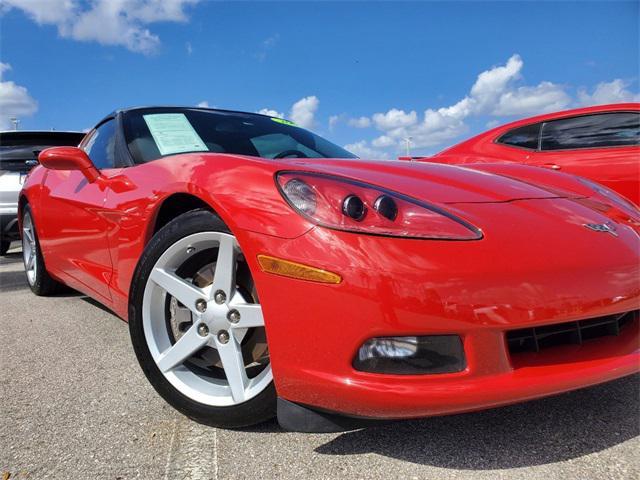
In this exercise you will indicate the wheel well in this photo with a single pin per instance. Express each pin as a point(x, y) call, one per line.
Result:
point(176, 205)
point(22, 201)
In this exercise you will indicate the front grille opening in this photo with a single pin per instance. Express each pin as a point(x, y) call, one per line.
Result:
point(570, 333)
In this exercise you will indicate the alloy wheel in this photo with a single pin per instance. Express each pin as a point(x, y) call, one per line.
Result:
point(29, 248)
point(203, 325)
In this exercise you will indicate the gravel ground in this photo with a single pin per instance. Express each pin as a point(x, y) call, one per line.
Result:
point(75, 405)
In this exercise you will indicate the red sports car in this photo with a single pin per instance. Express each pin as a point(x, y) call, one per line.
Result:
point(263, 269)
point(601, 143)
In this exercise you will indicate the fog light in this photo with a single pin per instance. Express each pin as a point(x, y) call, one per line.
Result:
point(411, 355)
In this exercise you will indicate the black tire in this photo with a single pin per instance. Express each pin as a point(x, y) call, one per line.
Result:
point(44, 285)
point(4, 247)
point(256, 410)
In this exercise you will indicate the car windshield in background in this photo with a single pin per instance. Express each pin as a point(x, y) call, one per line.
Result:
point(157, 132)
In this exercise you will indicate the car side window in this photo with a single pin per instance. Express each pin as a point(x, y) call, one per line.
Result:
point(100, 146)
point(592, 131)
point(522, 137)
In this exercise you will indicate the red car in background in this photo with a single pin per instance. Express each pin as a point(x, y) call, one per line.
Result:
point(600, 143)
point(263, 269)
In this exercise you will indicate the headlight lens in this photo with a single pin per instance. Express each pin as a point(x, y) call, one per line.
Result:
point(353, 206)
point(301, 196)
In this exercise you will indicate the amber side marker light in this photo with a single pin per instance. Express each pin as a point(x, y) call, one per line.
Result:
point(285, 268)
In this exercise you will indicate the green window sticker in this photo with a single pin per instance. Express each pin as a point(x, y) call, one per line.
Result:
point(173, 133)
point(283, 121)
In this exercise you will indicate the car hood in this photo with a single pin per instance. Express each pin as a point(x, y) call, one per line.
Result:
point(447, 183)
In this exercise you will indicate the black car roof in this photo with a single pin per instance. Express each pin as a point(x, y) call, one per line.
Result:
point(9, 138)
point(186, 107)
point(20, 144)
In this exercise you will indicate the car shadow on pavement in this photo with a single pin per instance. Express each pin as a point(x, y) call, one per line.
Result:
point(97, 304)
point(15, 279)
point(534, 433)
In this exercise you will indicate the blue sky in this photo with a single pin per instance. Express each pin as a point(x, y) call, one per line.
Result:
point(364, 74)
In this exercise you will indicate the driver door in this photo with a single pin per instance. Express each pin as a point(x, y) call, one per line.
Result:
point(75, 240)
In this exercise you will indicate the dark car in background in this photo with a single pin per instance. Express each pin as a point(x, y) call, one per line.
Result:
point(18, 155)
point(600, 143)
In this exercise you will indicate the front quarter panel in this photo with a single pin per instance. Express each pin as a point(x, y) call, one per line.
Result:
point(240, 190)
point(32, 192)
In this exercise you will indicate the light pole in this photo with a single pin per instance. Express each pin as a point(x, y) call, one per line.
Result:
point(15, 122)
point(408, 145)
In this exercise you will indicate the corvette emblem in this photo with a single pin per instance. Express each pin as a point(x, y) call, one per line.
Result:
point(602, 227)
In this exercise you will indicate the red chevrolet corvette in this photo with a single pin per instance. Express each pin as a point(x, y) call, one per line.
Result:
point(263, 269)
point(600, 143)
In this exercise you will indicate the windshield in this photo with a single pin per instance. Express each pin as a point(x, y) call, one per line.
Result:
point(158, 132)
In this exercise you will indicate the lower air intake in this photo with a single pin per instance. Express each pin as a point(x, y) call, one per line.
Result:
point(538, 338)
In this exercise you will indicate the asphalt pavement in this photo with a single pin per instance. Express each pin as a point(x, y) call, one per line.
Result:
point(75, 405)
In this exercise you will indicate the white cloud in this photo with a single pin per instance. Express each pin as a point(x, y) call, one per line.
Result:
point(493, 93)
point(44, 11)
point(361, 149)
point(496, 93)
point(435, 127)
point(203, 104)
point(360, 122)
point(543, 98)
point(304, 110)
point(15, 100)
point(490, 84)
point(267, 45)
point(614, 91)
point(108, 22)
point(394, 119)
point(383, 141)
point(271, 113)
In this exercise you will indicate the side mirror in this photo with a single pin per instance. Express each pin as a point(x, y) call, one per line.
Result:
point(69, 158)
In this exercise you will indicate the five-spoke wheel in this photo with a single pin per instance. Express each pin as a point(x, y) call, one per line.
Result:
point(39, 280)
point(29, 248)
point(197, 324)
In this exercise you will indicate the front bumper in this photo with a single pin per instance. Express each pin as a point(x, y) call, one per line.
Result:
point(478, 290)
point(388, 397)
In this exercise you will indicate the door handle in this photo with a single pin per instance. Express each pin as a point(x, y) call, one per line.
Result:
point(552, 166)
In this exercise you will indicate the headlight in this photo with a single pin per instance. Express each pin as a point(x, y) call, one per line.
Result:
point(354, 206)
